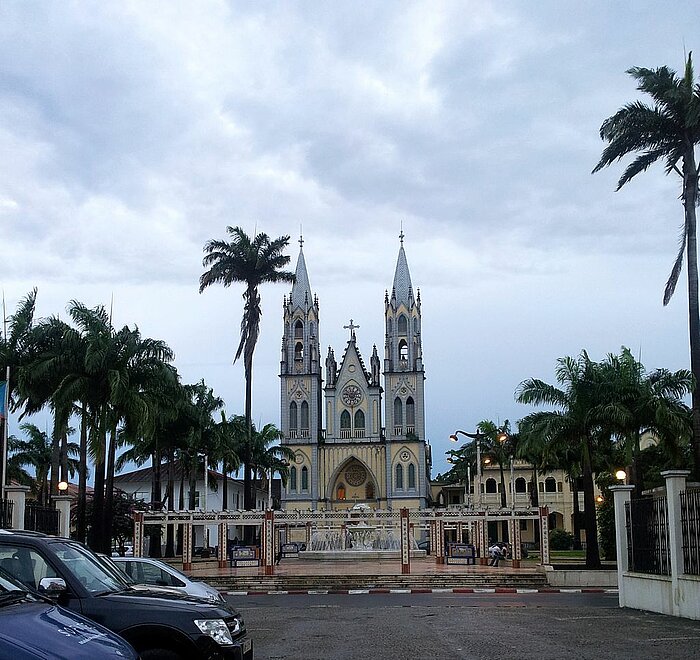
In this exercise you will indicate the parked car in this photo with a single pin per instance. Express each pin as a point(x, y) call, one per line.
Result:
point(156, 624)
point(32, 626)
point(119, 573)
point(144, 570)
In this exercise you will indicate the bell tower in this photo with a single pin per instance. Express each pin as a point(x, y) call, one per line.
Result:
point(300, 375)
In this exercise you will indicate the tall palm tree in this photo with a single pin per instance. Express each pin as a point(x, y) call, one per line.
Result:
point(252, 263)
point(668, 131)
point(575, 423)
point(268, 457)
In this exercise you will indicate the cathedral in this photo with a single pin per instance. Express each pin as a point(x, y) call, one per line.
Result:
point(372, 449)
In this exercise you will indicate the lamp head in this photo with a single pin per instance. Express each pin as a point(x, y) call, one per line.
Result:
point(453, 437)
point(621, 475)
point(63, 486)
point(599, 499)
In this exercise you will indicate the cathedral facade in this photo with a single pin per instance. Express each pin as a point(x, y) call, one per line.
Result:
point(372, 449)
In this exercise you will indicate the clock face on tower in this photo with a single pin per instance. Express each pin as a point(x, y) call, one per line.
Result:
point(351, 395)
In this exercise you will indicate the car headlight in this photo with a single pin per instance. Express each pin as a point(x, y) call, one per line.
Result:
point(216, 629)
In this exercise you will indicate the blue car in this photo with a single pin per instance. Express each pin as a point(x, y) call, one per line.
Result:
point(34, 627)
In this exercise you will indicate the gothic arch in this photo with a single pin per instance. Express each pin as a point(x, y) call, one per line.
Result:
point(339, 476)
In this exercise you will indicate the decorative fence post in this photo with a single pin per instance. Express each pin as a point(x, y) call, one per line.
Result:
point(405, 543)
point(482, 530)
point(514, 536)
point(223, 544)
point(186, 546)
point(621, 496)
point(439, 540)
point(18, 496)
point(268, 542)
point(138, 534)
point(544, 536)
point(62, 504)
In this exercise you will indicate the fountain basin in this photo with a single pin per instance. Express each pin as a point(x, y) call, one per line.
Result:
point(357, 555)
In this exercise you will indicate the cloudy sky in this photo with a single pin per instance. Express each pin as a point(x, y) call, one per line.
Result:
point(132, 132)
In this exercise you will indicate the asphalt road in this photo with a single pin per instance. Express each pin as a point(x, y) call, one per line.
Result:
point(507, 626)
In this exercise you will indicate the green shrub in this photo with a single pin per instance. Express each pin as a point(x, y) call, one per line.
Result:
point(560, 539)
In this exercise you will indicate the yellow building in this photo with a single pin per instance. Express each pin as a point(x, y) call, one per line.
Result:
point(372, 448)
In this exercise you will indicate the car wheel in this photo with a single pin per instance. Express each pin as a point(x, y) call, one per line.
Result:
point(159, 654)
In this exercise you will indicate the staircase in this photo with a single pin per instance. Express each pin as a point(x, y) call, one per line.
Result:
point(344, 582)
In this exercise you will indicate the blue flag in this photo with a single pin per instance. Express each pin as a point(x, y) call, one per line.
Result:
point(3, 387)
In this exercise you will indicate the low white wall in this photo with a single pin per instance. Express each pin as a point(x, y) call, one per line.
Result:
point(647, 592)
point(689, 596)
point(582, 579)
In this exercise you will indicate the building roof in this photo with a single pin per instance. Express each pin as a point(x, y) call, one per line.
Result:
point(144, 474)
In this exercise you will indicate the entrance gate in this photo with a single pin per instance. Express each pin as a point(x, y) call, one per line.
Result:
point(271, 523)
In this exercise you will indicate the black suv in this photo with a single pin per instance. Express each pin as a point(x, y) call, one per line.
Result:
point(156, 624)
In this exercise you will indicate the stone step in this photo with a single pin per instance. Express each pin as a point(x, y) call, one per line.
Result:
point(302, 583)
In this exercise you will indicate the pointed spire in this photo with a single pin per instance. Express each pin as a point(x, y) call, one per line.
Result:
point(403, 291)
point(301, 289)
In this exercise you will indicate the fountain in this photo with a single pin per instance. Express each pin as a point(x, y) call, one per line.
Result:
point(357, 541)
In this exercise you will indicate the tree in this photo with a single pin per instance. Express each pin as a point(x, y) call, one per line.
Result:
point(668, 131)
point(252, 263)
point(268, 457)
point(576, 423)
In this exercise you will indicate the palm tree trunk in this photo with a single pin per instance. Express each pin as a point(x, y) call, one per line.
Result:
point(577, 514)
point(55, 457)
point(82, 475)
point(96, 530)
point(154, 549)
point(109, 493)
point(248, 496)
point(170, 529)
point(690, 186)
point(64, 456)
point(180, 506)
point(535, 502)
point(589, 511)
point(224, 491)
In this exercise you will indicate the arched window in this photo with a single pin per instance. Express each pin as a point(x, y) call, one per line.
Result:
point(403, 350)
point(520, 485)
point(369, 491)
point(340, 492)
point(345, 420)
point(411, 476)
point(410, 412)
point(389, 326)
point(299, 351)
point(359, 420)
point(304, 415)
point(399, 477)
point(550, 485)
point(398, 412)
point(312, 329)
point(293, 479)
point(298, 330)
point(415, 325)
point(403, 325)
point(304, 479)
point(491, 486)
point(293, 416)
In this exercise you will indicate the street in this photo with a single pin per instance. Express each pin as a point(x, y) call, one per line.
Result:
point(396, 626)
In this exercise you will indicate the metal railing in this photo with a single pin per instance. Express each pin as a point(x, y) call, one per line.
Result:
point(41, 519)
point(690, 526)
point(6, 507)
point(647, 536)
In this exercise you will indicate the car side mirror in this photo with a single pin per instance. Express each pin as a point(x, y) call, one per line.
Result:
point(52, 586)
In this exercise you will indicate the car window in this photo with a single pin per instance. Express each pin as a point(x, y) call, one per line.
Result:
point(25, 564)
point(87, 568)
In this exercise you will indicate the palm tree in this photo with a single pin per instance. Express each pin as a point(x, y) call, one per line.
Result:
point(668, 131)
point(576, 424)
point(267, 457)
point(35, 452)
point(252, 263)
point(639, 402)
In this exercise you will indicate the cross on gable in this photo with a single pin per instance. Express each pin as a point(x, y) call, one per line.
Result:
point(352, 328)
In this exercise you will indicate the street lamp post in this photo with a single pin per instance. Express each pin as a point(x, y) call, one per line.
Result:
point(477, 439)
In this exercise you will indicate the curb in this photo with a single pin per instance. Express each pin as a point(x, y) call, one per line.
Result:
point(469, 590)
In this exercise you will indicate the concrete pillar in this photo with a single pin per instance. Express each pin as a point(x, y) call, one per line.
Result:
point(405, 543)
point(621, 496)
point(514, 536)
point(18, 496)
point(675, 485)
point(62, 504)
point(439, 540)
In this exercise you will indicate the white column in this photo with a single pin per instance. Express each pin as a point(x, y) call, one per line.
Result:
point(621, 495)
point(18, 496)
point(62, 504)
point(675, 485)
